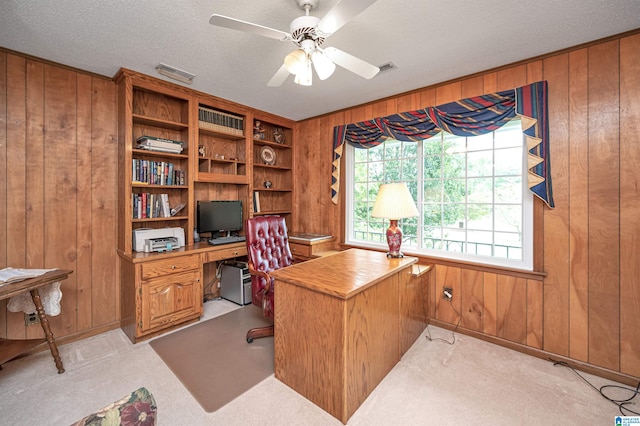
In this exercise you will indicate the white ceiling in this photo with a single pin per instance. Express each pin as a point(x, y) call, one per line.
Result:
point(429, 41)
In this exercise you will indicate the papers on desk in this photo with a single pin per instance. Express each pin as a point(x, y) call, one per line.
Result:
point(9, 275)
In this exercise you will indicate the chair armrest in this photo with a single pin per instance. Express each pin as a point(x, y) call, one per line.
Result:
point(268, 278)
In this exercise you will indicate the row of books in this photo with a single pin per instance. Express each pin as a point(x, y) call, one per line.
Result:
point(157, 173)
point(220, 121)
point(152, 143)
point(147, 206)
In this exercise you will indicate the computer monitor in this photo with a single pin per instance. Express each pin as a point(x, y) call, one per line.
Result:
point(219, 217)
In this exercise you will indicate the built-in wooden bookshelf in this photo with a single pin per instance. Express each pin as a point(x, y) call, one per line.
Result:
point(272, 174)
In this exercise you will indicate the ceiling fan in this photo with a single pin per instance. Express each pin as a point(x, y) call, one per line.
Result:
point(308, 33)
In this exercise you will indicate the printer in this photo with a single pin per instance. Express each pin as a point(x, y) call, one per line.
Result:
point(157, 240)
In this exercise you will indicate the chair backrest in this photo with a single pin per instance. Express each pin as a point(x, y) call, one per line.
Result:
point(267, 249)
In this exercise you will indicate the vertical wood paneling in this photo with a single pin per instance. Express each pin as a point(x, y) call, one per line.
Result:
point(16, 179)
point(448, 93)
point(84, 204)
point(60, 186)
point(630, 205)
point(511, 77)
point(472, 87)
point(3, 182)
point(556, 221)
point(604, 206)
point(471, 299)
point(579, 206)
point(512, 312)
point(490, 298)
point(35, 172)
point(534, 314)
point(447, 276)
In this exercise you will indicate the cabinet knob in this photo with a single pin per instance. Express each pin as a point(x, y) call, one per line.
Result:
point(173, 266)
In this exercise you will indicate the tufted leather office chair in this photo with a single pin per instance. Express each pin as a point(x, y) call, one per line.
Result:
point(267, 250)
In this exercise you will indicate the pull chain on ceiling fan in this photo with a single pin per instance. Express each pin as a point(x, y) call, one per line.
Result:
point(308, 33)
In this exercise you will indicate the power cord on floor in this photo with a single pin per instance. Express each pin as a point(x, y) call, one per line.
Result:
point(621, 403)
point(208, 288)
point(453, 333)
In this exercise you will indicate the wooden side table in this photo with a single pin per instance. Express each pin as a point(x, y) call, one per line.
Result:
point(9, 349)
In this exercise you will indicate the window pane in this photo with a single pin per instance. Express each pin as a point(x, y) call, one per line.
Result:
point(480, 190)
point(454, 190)
point(469, 193)
point(376, 171)
point(482, 142)
point(480, 163)
point(480, 216)
point(508, 218)
point(432, 165)
point(508, 190)
point(508, 161)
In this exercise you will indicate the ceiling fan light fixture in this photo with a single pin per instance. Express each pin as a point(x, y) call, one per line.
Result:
point(305, 76)
point(324, 66)
point(295, 61)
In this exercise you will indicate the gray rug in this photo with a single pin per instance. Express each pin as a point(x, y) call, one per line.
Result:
point(213, 359)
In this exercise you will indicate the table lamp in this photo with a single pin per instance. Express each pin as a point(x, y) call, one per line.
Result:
point(394, 202)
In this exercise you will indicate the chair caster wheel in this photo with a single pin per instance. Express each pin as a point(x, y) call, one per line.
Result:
point(249, 340)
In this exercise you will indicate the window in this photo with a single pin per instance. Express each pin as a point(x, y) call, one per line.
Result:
point(471, 193)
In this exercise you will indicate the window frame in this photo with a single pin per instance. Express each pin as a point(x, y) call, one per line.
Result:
point(531, 217)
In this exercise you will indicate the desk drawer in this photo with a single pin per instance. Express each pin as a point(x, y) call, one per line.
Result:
point(300, 249)
point(170, 266)
point(226, 253)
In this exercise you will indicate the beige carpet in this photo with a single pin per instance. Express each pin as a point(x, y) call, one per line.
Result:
point(213, 359)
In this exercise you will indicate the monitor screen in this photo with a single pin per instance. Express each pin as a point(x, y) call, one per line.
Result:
point(219, 216)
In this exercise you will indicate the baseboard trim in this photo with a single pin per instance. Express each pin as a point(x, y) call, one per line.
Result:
point(539, 353)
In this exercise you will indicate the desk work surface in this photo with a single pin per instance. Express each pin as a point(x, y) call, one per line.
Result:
point(343, 274)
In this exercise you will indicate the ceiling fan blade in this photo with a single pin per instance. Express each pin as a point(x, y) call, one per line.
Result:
point(279, 77)
point(340, 14)
point(248, 27)
point(351, 63)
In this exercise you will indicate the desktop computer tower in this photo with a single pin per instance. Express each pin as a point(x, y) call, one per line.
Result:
point(235, 283)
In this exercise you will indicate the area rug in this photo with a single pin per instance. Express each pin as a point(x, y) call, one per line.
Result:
point(213, 359)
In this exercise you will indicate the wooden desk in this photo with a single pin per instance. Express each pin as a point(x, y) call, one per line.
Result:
point(337, 326)
point(10, 349)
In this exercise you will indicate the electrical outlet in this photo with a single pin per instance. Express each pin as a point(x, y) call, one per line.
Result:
point(30, 319)
point(447, 293)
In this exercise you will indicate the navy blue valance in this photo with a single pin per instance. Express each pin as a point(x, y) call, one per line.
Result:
point(467, 117)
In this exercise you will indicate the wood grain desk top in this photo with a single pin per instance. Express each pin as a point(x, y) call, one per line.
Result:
point(343, 274)
point(18, 287)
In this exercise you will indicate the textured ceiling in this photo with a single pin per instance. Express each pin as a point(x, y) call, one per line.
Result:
point(429, 41)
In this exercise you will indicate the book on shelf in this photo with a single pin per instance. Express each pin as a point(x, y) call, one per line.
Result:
point(220, 121)
point(156, 173)
point(256, 201)
point(153, 143)
point(147, 205)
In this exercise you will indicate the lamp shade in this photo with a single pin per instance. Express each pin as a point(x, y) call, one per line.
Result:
point(394, 201)
point(296, 61)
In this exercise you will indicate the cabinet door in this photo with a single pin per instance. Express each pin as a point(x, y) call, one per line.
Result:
point(170, 298)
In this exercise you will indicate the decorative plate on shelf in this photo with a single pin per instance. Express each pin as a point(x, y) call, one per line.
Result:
point(268, 155)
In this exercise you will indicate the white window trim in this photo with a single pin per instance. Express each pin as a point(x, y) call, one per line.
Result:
point(527, 206)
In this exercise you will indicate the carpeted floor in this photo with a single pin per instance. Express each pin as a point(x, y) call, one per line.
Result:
point(213, 359)
point(469, 382)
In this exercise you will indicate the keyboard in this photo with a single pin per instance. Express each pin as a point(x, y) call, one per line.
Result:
point(225, 240)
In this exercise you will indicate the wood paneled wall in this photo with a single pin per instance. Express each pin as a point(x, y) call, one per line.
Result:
point(587, 307)
point(58, 195)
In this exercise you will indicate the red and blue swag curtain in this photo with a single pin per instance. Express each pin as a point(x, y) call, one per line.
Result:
point(467, 117)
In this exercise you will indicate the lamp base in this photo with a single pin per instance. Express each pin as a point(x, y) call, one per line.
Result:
point(394, 255)
point(394, 239)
